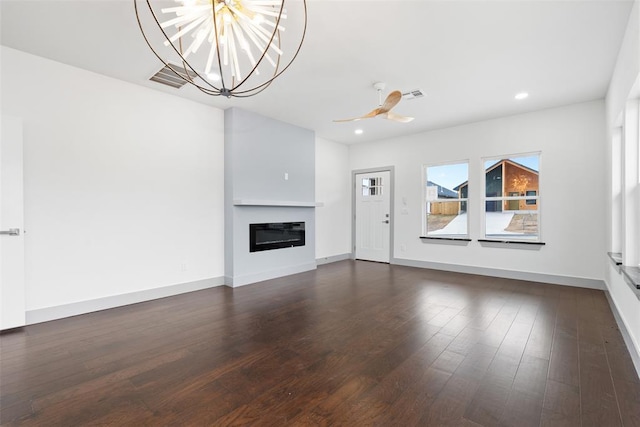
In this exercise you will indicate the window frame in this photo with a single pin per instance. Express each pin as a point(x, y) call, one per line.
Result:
point(529, 196)
point(630, 183)
point(505, 199)
point(425, 201)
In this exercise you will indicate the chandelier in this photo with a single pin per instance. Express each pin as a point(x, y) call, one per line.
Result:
point(231, 48)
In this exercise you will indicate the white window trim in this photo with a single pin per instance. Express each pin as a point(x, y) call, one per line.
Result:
point(630, 183)
point(485, 199)
point(425, 201)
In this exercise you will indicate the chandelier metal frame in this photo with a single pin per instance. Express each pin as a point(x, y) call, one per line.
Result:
point(229, 86)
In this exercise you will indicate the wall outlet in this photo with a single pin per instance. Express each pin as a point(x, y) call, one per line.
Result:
point(286, 176)
point(183, 266)
point(403, 248)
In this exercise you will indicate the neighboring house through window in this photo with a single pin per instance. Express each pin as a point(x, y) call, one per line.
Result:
point(512, 197)
point(445, 204)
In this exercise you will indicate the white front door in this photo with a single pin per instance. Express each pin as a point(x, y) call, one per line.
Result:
point(373, 220)
point(12, 297)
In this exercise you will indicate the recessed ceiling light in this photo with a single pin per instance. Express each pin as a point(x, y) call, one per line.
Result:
point(359, 131)
point(213, 76)
point(522, 95)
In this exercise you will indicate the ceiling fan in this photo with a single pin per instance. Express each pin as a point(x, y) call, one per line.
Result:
point(384, 108)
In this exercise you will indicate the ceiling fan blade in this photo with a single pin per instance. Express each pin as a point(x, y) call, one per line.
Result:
point(397, 117)
point(391, 101)
point(369, 115)
point(348, 120)
point(384, 110)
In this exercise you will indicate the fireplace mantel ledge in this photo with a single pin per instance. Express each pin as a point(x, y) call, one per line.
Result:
point(251, 202)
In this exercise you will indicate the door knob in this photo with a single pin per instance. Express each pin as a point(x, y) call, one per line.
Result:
point(386, 221)
point(11, 232)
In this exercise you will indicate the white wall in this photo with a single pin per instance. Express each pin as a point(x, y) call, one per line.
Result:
point(333, 225)
point(123, 184)
point(627, 68)
point(626, 71)
point(571, 140)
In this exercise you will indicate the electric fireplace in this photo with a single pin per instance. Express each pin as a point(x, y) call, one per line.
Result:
point(275, 235)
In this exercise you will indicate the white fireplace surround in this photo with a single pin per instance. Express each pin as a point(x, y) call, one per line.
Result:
point(262, 186)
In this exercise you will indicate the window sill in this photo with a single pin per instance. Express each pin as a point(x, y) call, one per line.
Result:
point(453, 239)
point(511, 242)
point(616, 258)
point(631, 276)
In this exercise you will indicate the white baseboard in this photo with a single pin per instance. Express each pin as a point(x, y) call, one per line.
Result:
point(248, 279)
point(82, 307)
point(333, 258)
point(632, 346)
point(580, 282)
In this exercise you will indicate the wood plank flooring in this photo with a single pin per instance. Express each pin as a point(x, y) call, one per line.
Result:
point(352, 343)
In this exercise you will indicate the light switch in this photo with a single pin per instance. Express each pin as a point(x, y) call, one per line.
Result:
point(286, 176)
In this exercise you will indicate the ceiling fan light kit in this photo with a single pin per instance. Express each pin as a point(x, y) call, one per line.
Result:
point(384, 108)
point(229, 48)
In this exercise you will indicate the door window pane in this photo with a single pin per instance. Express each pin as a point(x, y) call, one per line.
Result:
point(372, 186)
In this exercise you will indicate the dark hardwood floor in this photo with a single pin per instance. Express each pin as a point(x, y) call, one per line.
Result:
point(353, 343)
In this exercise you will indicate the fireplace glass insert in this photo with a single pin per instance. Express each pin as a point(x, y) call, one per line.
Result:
point(275, 235)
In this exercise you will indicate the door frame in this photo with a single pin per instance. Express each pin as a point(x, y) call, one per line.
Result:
point(392, 217)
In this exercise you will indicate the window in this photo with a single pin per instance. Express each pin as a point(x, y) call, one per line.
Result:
point(531, 201)
point(628, 168)
point(446, 193)
point(625, 193)
point(512, 198)
point(372, 186)
point(617, 216)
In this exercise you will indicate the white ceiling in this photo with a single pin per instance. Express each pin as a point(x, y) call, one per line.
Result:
point(469, 57)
